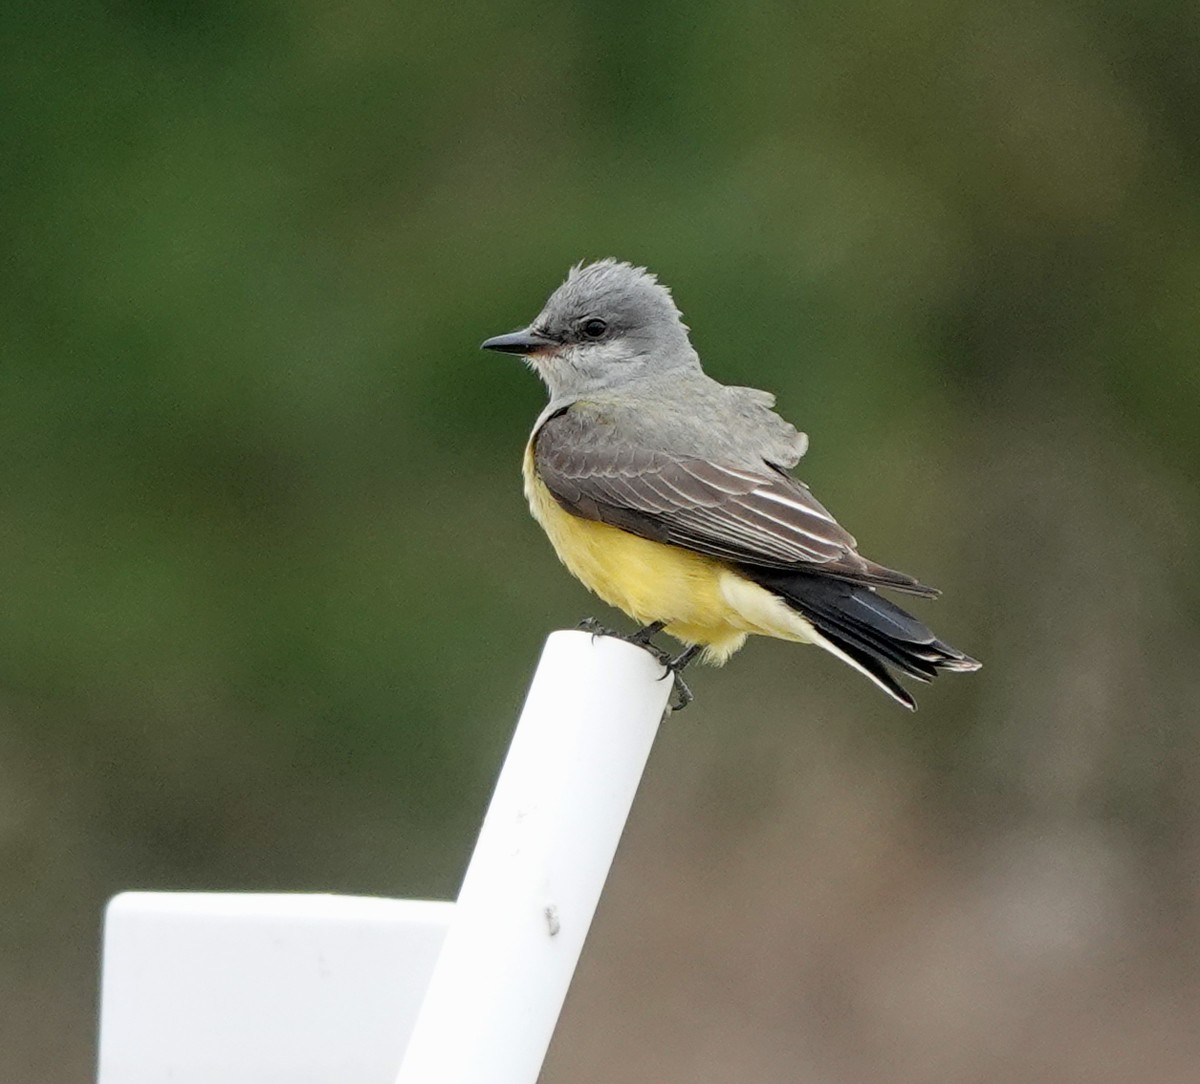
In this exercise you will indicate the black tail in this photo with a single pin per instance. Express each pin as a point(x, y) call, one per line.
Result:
point(864, 628)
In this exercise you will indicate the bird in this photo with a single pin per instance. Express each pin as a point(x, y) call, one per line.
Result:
point(670, 495)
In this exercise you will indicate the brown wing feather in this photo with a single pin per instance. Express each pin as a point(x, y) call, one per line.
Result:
point(763, 518)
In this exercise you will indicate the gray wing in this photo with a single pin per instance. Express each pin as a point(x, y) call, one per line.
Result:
point(760, 517)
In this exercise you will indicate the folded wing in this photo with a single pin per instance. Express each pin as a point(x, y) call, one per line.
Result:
point(757, 517)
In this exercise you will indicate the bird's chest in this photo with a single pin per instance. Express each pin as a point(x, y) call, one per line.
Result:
point(594, 552)
point(648, 580)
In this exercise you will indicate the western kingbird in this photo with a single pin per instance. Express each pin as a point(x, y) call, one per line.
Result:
point(668, 494)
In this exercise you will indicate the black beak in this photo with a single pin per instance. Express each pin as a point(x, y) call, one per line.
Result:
point(526, 341)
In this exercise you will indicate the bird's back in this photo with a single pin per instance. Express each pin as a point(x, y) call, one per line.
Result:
point(690, 414)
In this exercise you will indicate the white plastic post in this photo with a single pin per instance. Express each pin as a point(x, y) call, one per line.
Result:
point(543, 854)
point(242, 988)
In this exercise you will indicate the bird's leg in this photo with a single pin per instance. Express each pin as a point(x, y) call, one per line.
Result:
point(646, 633)
point(644, 638)
point(680, 661)
point(681, 694)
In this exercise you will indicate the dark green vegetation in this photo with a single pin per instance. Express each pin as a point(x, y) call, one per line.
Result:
point(269, 595)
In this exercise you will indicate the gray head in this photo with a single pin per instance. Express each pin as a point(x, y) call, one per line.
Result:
point(609, 324)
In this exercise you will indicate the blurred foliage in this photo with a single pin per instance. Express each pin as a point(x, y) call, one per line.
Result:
point(271, 595)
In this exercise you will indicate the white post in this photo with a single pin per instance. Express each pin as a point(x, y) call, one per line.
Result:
point(243, 988)
point(543, 854)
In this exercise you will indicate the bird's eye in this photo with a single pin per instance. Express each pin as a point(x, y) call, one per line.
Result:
point(594, 328)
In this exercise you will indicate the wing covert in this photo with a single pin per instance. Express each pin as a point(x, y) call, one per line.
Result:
point(760, 517)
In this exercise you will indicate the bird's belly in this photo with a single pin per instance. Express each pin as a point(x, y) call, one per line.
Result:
point(649, 580)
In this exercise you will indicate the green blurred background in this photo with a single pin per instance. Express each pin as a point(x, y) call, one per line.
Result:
point(270, 594)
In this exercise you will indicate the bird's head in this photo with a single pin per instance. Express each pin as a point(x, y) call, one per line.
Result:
point(608, 324)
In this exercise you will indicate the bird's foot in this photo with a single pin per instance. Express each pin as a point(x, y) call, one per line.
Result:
point(590, 624)
point(642, 638)
point(681, 695)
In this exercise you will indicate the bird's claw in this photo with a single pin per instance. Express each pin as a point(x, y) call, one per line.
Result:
point(681, 695)
point(590, 624)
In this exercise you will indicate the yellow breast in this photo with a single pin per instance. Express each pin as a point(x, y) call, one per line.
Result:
point(651, 581)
